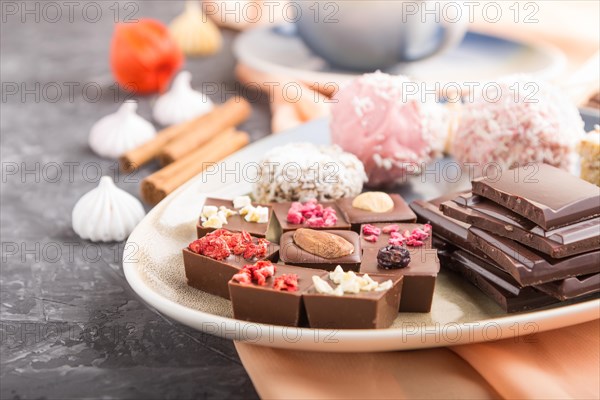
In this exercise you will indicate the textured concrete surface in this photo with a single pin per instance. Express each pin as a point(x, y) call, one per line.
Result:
point(70, 325)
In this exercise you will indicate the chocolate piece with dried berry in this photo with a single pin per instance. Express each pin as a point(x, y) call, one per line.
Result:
point(421, 272)
point(271, 293)
point(212, 260)
point(311, 214)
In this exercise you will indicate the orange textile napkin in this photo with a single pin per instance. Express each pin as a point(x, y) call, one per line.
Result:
point(559, 364)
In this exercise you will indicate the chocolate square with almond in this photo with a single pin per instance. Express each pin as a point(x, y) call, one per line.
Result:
point(321, 249)
point(375, 208)
point(281, 210)
point(419, 275)
point(273, 303)
point(212, 275)
point(363, 310)
point(236, 222)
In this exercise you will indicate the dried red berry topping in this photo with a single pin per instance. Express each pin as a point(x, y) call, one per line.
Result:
point(371, 238)
point(257, 273)
point(416, 238)
point(390, 228)
point(221, 243)
point(287, 282)
point(210, 246)
point(311, 214)
point(369, 229)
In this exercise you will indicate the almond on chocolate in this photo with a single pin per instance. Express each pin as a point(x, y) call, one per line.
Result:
point(344, 245)
point(322, 244)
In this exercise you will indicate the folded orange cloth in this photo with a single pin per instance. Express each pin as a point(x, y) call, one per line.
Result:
point(563, 364)
point(558, 364)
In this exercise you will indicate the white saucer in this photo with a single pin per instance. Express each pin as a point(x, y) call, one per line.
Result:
point(479, 58)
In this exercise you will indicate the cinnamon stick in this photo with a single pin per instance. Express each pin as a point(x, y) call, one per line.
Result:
point(157, 186)
point(231, 113)
point(151, 149)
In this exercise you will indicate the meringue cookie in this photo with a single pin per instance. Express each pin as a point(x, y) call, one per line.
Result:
point(115, 134)
point(196, 34)
point(106, 213)
point(181, 103)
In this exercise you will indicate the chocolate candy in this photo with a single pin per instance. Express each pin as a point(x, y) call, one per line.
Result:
point(291, 253)
point(543, 194)
point(566, 241)
point(281, 211)
point(356, 216)
point(419, 276)
point(236, 223)
point(265, 304)
point(364, 310)
point(528, 266)
point(212, 276)
point(393, 257)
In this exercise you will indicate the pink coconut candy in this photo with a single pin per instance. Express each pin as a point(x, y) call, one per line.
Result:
point(516, 121)
point(393, 134)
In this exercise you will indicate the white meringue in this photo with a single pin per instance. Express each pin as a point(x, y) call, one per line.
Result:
point(181, 103)
point(106, 213)
point(117, 133)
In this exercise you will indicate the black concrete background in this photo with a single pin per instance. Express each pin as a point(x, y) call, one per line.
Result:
point(70, 325)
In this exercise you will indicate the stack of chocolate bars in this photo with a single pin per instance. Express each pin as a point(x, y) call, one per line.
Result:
point(528, 237)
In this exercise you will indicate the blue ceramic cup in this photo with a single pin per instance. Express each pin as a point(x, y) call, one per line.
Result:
point(368, 35)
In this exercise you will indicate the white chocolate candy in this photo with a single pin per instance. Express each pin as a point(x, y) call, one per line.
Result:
point(241, 202)
point(209, 211)
point(214, 221)
point(349, 282)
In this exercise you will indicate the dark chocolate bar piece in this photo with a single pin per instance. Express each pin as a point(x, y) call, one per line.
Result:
point(565, 289)
point(400, 213)
point(561, 242)
point(264, 304)
point(364, 310)
point(449, 229)
point(528, 266)
point(419, 276)
point(545, 195)
point(236, 223)
point(281, 211)
point(291, 253)
point(470, 268)
point(574, 287)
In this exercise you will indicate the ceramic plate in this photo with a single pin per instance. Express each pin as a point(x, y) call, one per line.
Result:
point(460, 314)
point(478, 58)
